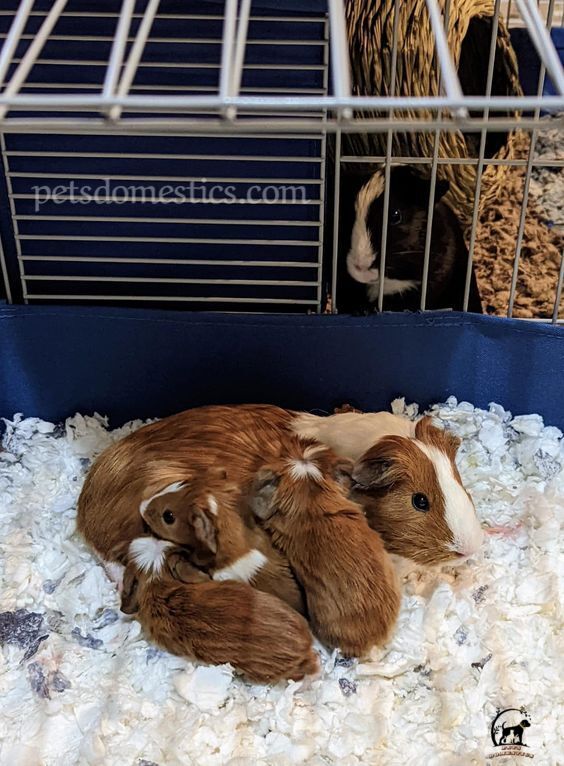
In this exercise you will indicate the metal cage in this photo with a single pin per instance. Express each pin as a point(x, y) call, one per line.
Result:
point(189, 154)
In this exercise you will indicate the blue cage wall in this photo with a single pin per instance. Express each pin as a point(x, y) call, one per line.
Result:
point(56, 360)
point(97, 241)
point(124, 363)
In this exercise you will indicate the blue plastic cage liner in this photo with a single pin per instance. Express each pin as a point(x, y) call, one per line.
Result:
point(128, 363)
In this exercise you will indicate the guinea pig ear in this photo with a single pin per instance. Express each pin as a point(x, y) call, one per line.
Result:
point(424, 428)
point(373, 473)
point(451, 444)
point(205, 530)
point(380, 466)
point(262, 495)
point(130, 591)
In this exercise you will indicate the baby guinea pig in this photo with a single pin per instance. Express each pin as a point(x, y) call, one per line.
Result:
point(219, 622)
point(158, 560)
point(201, 516)
point(406, 235)
point(406, 479)
point(351, 589)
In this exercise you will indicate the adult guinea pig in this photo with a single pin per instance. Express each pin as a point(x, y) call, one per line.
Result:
point(165, 452)
point(406, 479)
point(242, 439)
point(407, 228)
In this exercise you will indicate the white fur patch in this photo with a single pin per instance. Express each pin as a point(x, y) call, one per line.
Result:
point(244, 569)
point(460, 514)
point(391, 287)
point(175, 487)
point(362, 253)
point(371, 190)
point(302, 469)
point(149, 554)
point(212, 505)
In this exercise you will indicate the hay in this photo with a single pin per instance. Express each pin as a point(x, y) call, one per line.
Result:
point(542, 246)
point(370, 33)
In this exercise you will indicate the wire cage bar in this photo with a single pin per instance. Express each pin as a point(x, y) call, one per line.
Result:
point(241, 94)
point(229, 92)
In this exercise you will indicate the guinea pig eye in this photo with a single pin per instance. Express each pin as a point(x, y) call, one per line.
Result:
point(395, 217)
point(420, 502)
point(168, 517)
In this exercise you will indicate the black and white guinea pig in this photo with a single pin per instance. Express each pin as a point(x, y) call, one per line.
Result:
point(359, 275)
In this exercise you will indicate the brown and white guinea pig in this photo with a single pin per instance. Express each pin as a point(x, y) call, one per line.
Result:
point(219, 622)
point(406, 479)
point(167, 451)
point(351, 589)
point(243, 438)
point(200, 515)
point(407, 227)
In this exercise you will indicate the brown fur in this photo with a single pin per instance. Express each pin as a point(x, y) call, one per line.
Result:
point(215, 541)
point(239, 438)
point(214, 623)
point(355, 436)
point(443, 440)
point(351, 588)
point(388, 475)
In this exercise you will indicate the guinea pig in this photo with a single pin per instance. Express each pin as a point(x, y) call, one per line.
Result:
point(241, 438)
point(351, 588)
point(412, 494)
point(407, 228)
point(219, 622)
point(406, 479)
point(153, 559)
point(168, 451)
point(200, 515)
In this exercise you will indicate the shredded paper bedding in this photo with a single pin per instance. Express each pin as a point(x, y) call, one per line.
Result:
point(475, 652)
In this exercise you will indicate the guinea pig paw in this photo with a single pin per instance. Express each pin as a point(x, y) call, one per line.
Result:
point(114, 572)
